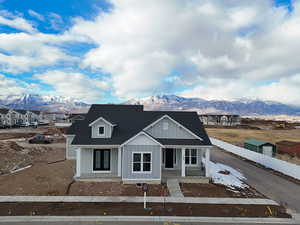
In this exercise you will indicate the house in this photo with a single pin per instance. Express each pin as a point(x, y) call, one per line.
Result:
point(3, 117)
point(220, 120)
point(137, 146)
point(37, 116)
point(288, 147)
point(76, 116)
point(259, 146)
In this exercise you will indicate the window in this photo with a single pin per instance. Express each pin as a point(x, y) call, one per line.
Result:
point(191, 156)
point(101, 160)
point(141, 162)
point(165, 125)
point(101, 130)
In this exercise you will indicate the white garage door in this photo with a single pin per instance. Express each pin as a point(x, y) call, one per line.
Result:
point(268, 150)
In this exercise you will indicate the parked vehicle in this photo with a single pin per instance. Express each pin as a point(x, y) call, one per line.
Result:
point(40, 140)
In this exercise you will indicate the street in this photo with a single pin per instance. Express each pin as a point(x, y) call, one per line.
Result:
point(275, 187)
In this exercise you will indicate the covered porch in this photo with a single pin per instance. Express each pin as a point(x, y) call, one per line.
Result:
point(185, 162)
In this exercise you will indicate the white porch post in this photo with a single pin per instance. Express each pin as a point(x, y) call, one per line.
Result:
point(183, 162)
point(207, 160)
point(119, 161)
point(78, 162)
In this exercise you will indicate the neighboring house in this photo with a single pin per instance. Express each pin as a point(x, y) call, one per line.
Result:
point(3, 117)
point(24, 116)
point(137, 146)
point(12, 117)
point(259, 146)
point(37, 116)
point(220, 120)
point(76, 116)
point(288, 147)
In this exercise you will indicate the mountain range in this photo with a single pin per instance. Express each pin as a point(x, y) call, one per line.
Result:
point(43, 102)
point(159, 102)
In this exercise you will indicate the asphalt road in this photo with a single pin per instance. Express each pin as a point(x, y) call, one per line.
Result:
point(126, 223)
point(273, 186)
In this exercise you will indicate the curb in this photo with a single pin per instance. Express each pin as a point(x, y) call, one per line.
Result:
point(5, 219)
point(133, 199)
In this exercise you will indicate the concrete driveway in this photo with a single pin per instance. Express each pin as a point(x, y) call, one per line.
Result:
point(275, 187)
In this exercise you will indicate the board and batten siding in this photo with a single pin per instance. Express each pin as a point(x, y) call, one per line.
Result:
point(87, 161)
point(127, 164)
point(70, 150)
point(107, 130)
point(173, 131)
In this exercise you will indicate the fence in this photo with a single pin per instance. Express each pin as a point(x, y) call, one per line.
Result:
point(284, 167)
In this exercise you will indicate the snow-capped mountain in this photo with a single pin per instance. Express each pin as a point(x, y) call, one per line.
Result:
point(241, 107)
point(39, 102)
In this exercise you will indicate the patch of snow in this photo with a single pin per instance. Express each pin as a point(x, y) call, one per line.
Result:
point(20, 169)
point(232, 180)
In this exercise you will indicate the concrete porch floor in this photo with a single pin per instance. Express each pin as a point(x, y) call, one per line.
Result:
point(192, 176)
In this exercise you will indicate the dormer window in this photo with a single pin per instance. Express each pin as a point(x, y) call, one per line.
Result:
point(101, 130)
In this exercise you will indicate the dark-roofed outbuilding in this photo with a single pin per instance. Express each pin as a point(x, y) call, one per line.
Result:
point(260, 146)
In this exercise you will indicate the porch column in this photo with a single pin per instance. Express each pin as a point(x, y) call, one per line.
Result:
point(207, 160)
point(119, 161)
point(183, 162)
point(78, 162)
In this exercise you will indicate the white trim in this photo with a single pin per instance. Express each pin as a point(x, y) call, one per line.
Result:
point(188, 146)
point(119, 161)
point(183, 162)
point(141, 132)
point(102, 171)
point(132, 162)
point(142, 179)
point(97, 146)
point(101, 118)
point(178, 124)
point(207, 160)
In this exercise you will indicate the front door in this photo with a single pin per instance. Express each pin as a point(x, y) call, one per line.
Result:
point(101, 160)
point(169, 158)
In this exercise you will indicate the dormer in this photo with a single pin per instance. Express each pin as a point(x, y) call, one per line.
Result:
point(101, 128)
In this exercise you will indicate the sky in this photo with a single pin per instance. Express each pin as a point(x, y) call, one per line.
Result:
point(110, 51)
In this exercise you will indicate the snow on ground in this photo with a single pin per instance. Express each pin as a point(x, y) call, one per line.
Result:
point(231, 180)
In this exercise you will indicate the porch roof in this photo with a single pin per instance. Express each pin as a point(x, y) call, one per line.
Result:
point(184, 142)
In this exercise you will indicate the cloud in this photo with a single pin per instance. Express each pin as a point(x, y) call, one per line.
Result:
point(74, 84)
point(9, 86)
point(245, 43)
point(17, 23)
point(36, 15)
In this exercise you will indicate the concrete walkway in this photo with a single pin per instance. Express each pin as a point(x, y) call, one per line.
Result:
point(162, 219)
point(174, 188)
point(242, 201)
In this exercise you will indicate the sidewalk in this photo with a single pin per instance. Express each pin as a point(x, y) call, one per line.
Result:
point(99, 219)
point(174, 188)
point(240, 201)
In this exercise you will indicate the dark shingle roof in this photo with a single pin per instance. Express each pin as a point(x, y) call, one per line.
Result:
point(21, 111)
point(3, 111)
point(130, 120)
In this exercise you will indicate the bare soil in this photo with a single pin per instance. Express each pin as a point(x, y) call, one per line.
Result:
point(217, 191)
point(136, 209)
point(115, 189)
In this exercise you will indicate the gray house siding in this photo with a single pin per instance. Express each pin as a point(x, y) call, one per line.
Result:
point(128, 150)
point(87, 162)
point(70, 150)
point(173, 131)
point(107, 130)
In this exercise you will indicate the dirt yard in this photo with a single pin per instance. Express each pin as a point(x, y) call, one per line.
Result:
point(217, 191)
point(136, 209)
point(238, 136)
point(115, 189)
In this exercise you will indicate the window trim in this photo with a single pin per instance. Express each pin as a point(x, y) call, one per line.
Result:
point(101, 135)
point(190, 157)
point(110, 159)
point(142, 169)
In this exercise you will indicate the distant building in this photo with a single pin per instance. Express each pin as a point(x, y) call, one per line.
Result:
point(220, 120)
point(76, 116)
point(259, 146)
point(288, 147)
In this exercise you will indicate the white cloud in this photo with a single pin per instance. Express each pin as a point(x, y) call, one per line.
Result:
point(10, 86)
point(36, 15)
point(73, 84)
point(18, 23)
point(140, 43)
